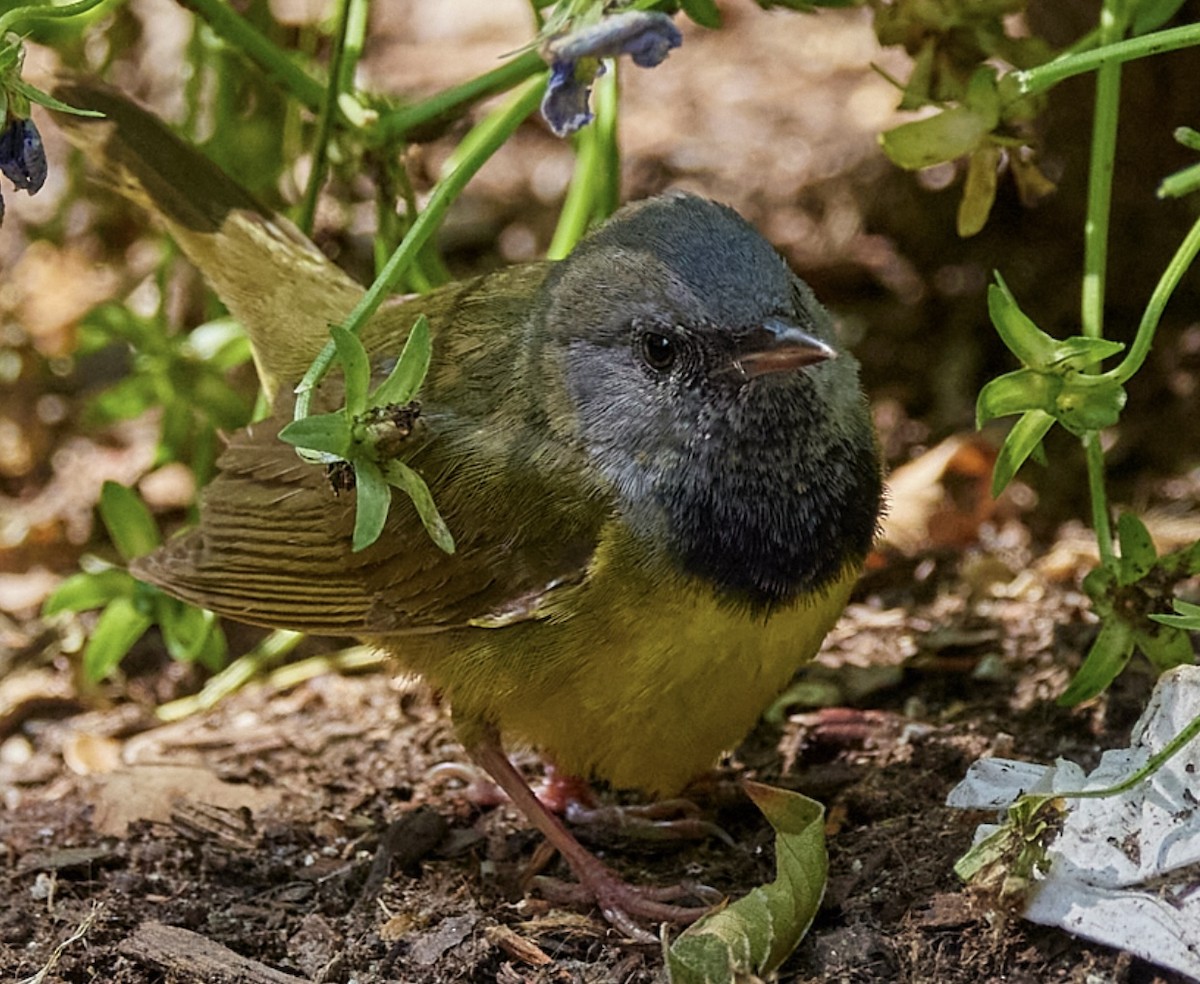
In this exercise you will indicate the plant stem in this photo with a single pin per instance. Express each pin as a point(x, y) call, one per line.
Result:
point(1179, 265)
point(42, 11)
point(241, 35)
point(339, 82)
point(1095, 245)
point(1043, 77)
point(476, 148)
point(590, 195)
point(1153, 764)
point(396, 123)
point(265, 656)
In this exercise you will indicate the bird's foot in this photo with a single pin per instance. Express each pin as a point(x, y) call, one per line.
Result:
point(626, 907)
point(662, 822)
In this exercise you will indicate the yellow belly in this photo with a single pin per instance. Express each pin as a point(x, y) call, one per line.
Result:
point(641, 680)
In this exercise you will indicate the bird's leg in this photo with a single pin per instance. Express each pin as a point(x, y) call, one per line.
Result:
point(666, 820)
point(622, 904)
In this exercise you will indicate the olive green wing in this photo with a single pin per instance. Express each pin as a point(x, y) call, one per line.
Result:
point(273, 547)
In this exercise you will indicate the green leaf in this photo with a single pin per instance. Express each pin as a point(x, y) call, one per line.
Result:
point(1165, 646)
point(758, 932)
point(411, 368)
point(413, 485)
point(1079, 351)
point(1016, 392)
point(703, 12)
point(1187, 616)
point(1150, 15)
point(356, 369)
point(85, 590)
point(129, 398)
point(1088, 402)
point(325, 432)
point(1137, 549)
point(979, 191)
point(982, 96)
point(1024, 339)
point(1105, 660)
point(185, 628)
point(119, 627)
point(1022, 441)
point(374, 496)
point(944, 137)
point(129, 523)
point(47, 100)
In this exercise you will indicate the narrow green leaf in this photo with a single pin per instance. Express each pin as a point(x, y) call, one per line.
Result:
point(1181, 183)
point(1137, 549)
point(413, 485)
point(754, 935)
point(47, 100)
point(1079, 352)
point(119, 627)
point(85, 590)
point(1024, 339)
point(326, 432)
point(1188, 137)
point(1187, 616)
point(129, 523)
point(979, 190)
point(944, 137)
point(1105, 660)
point(356, 369)
point(374, 496)
point(1022, 441)
point(411, 368)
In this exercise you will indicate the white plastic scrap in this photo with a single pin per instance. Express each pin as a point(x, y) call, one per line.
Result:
point(1125, 870)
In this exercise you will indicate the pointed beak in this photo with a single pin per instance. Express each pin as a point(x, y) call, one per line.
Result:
point(777, 346)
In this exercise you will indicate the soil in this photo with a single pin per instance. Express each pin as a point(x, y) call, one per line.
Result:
point(301, 830)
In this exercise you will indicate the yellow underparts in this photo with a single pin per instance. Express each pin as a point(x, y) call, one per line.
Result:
point(639, 678)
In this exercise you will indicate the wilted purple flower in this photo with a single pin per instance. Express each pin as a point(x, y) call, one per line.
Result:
point(22, 159)
point(647, 37)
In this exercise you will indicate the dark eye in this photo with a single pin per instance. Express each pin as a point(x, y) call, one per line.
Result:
point(658, 351)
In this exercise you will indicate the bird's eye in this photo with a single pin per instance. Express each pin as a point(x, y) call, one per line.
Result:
point(658, 351)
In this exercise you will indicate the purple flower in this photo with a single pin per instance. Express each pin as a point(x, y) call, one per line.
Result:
point(647, 37)
point(22, 159)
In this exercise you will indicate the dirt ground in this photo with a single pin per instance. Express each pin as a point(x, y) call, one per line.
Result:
point(299, 829)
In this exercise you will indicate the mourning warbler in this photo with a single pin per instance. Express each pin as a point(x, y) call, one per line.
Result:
point(656, 461)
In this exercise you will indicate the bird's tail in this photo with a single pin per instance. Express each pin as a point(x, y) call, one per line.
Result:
point(273, 279)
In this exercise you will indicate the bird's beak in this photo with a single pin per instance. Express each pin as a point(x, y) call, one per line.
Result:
point(777, 346)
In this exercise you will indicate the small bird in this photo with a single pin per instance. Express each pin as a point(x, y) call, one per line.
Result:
point(656, 461)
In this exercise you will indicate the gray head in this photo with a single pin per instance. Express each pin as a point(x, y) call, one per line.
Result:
point(710, 393)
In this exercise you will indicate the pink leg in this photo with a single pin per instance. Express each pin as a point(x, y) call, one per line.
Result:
point(621, 903)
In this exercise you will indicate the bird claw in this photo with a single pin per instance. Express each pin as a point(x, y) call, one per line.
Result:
point(649, 823)
point(626, 906)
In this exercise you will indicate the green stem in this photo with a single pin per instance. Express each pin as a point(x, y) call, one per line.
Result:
point(1095, 246)
point(1101, 522)
point(241, 35)
point(265, 656)
point(1043, 77)
point(1179, 265)
point(41, 11)
point(1100, 179)
point(476, 148)
point(1153, 764)
point(397, 123)
point(333, 90)
point(590, 195)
